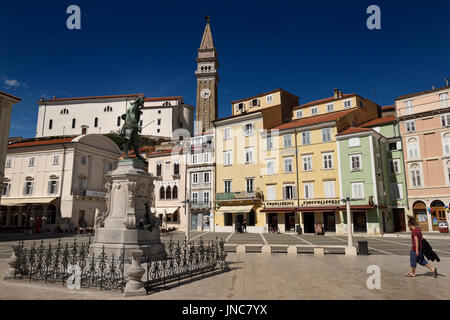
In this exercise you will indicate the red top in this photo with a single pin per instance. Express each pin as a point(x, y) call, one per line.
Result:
point(418, 233)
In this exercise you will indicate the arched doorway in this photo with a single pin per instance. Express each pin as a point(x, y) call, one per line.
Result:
point(437, 213)
point(420, 214)
point(51, 214)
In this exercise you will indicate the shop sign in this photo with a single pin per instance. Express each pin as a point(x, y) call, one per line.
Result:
point(285, 203)
point(321, 202)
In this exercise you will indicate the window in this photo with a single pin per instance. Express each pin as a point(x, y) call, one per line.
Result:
point(446, 143)
point(176, 168)
point(31, 162)
point(195, 178)
point(206, 177)
point(254, 103)
point(445, 120)
point(269, 143)
point(158, 130)
point(287, 141)
point(227, 186)
point(6, 190)
point(239, 106)
point(227, 158)
point(347, 104)
point(159, 122)
point(416, 175)
point(83, 161)
point(227, 134)
point(314, 111)
point(8, 163)
point(158, 170)
point(206, 157)
point(194, 197)
point(288, 165)
point(118, 121)
point(194, 158)
point(249, 155)
point(110, 166)
point(329, 189)
point(228, 219)
point(249, 183)
point(326, 134)
point(166, 104)
point(64, 111)
point(53, 186)
point(270, 166)
point(308, 189)
point(330, 107)
point(354, 142)
point(327, 160)
point(409, 107)
point(306, 137)
point(410, 126)
point(95, 122)
point(288, 192)
point(443, 98)
point(248, 129)
point(396, 191)
point(108, 109)
point(55, 160)
point(175, 192)
point(299, 113)
point(269, 98)
point(355, 162)
point(28, 188)
point(50, 124)
point(74, 121)
point(395, 166)
point(307, 163)
point(413, 148)
point(271, 192)
point(159, 111)
point(357, 190)
point(447, 169)
point(206, 197)
point(162, 193)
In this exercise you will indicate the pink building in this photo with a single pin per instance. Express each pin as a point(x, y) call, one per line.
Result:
point(424, 121)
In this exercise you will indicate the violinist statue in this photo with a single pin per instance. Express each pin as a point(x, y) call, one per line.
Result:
point(131, 128)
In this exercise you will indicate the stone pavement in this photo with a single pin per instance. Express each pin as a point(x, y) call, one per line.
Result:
point(276, 276)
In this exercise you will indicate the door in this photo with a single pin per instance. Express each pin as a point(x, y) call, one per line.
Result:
point(359, 222)
point(420, 214)
point(399, 220)
point(308, 221)
point(273, 221)
point(289, 221)
point(194, 222)
point(239, 220)
point(206, 222)
point(329, 221)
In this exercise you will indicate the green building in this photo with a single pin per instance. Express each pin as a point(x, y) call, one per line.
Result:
point(372, 175)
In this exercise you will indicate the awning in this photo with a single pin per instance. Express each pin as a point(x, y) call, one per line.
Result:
point(316, 209)
point(21, 202)
point(236, 209)
point(357, 207)
point(166, 210)
point(279, 210)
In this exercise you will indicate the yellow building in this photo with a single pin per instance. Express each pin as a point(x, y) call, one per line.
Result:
point(239, 184)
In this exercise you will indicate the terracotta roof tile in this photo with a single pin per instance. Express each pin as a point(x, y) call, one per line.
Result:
point(345, 95)
point(378, 121)
point(96, 97)
point(328, 117)
point(10, 95)
point(384, 108)
point(353, 130)
point(39, 143)
point(162, 98)
point(420, 93)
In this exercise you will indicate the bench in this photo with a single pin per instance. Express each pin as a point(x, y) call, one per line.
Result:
point(319, 250)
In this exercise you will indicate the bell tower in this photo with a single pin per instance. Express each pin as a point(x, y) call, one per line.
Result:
point(207, 80)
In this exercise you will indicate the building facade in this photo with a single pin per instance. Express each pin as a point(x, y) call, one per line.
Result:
point(424, 121)
point(168, 164)
point(57, 182)
point(161, 117)
point(6, 103)
point(201, 183)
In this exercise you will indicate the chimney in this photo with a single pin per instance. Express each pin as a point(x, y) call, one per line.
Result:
point(54, 97)
point(336, 93)
point(340, 94)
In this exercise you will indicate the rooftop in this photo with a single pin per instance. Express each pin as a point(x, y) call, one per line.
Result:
point(378, 121)
point(344, 96)
point(263, 94)
point(40, 142)
point(354, 130)
point(95, 97)
point(421, 93)
point(10, 95)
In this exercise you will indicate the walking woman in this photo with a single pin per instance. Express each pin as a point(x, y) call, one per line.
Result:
point(416, 254)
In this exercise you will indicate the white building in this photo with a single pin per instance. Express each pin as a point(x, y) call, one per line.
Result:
point(102, 114)
point(6, 104)
point(201, 182)
point(168, 165)
point(56, 181)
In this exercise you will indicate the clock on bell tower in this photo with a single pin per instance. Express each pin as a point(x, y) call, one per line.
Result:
point(207, 80)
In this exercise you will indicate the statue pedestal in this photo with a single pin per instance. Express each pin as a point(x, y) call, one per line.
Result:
point(129, 197)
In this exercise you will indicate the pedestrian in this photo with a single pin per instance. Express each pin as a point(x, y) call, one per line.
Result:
point(416, 254)
point(244, 226)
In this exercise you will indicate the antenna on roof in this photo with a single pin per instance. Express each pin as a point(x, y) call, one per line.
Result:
point(446, 81)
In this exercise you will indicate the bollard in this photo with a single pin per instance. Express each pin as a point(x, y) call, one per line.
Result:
point(134, 286)
point(12, 261)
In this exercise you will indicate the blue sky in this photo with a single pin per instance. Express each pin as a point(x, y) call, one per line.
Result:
point(305, 47)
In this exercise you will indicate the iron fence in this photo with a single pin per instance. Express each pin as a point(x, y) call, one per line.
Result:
point(181, 260)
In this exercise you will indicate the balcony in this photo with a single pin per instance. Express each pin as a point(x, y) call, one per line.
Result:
point(243, 195)
point(200, 205)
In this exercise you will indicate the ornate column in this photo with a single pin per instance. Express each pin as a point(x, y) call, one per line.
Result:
point(134, 286)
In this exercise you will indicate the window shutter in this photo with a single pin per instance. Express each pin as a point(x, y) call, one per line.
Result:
point(31, 187)
point(49, 187)
point(25, 188)
point(294, 191)
point(56, 187)
point(284, 193)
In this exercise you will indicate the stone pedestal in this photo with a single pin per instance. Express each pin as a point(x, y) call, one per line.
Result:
point(350, 251)
point(12, 261)
point(128, 223)
point(134, 286)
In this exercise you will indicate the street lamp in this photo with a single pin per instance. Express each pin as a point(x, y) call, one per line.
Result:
point(186, 210)
point(351, 249)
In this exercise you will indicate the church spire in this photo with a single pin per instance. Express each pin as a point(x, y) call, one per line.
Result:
point(207, 40)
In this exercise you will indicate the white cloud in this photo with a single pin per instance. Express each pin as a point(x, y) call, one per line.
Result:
point(12, 83)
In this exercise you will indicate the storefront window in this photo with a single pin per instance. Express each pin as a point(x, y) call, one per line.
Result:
point(228, 219)
point(251, 218)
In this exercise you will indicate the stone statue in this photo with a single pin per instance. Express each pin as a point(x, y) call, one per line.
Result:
point(131, 128)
